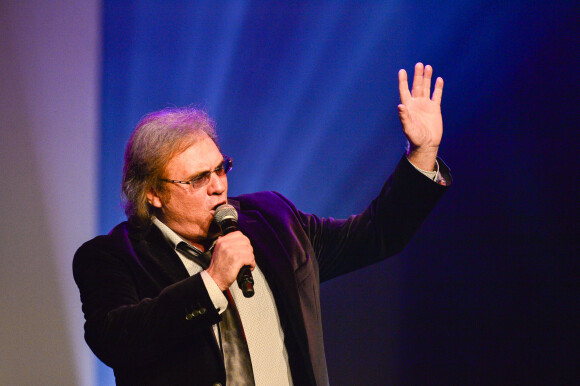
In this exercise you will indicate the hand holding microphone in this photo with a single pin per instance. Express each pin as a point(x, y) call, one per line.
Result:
point(226, 217)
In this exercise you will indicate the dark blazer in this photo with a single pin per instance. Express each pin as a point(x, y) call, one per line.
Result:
point(152, 323)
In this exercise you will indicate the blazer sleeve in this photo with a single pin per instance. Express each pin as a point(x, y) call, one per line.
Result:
point(382, 230)
point(131, 317)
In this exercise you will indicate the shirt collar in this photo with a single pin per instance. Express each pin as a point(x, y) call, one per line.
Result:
point(176, 241)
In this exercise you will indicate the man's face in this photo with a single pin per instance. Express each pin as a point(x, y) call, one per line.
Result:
point(190, 211)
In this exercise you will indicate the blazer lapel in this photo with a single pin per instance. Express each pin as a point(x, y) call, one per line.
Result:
point(275, 261)
point(271, 255)
point(156, 256)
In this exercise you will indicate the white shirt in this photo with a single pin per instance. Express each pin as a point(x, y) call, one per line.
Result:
point(259, 315)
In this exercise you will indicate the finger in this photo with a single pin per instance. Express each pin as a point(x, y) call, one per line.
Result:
point(248, 258)
point(418, 81)
point(438, 92)
point(404, 93)
point(427, 81)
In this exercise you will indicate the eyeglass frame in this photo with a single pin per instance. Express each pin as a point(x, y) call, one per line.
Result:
point(202, 179)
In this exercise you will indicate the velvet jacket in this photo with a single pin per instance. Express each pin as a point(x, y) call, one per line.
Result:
point(152, 323)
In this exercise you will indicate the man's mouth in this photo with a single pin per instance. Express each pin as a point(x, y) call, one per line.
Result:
point(217, 205)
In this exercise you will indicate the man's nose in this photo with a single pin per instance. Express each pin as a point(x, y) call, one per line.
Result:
point(217, 184)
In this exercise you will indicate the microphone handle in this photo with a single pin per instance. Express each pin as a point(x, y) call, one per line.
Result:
point(245, 279)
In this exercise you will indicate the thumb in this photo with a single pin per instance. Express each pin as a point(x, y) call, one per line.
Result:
point(403, 114)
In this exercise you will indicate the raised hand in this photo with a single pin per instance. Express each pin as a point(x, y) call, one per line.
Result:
point(421, 116)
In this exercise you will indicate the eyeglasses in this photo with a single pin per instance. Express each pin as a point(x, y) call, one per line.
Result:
point(203, 178)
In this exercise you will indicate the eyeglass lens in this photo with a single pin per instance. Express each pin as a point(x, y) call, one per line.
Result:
point(221, 170)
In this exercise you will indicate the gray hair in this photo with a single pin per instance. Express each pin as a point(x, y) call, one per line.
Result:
point(157, 138)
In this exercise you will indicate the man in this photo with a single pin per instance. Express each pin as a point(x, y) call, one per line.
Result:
point(155, 289)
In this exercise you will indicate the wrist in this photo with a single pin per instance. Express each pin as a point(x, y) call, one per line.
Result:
point(216, 279)
point(423, 158)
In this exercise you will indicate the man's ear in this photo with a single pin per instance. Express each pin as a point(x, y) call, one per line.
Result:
point(153, 199)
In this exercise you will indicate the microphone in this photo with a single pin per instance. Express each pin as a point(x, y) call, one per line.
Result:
point(226, 217)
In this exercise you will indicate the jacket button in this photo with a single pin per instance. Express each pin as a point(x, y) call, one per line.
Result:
point(217, 384)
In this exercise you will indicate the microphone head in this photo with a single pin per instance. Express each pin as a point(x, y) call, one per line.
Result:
point(225, 212)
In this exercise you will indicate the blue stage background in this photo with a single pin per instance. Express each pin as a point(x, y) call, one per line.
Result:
point(305, 96)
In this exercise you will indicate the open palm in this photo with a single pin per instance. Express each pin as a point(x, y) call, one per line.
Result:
point(421, 115)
